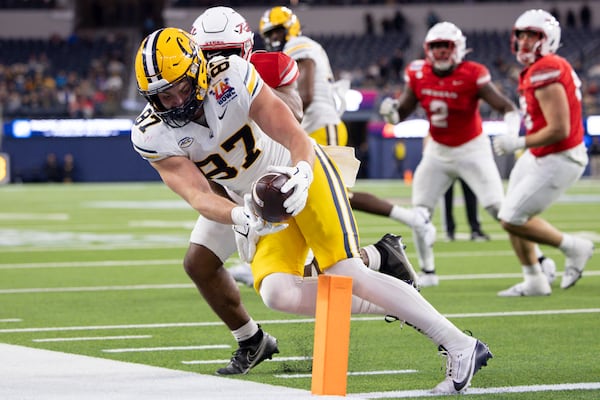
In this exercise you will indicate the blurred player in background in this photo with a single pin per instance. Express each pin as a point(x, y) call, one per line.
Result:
point(217, 121)
point(281, 31)
point(222, 31)
point(449, 90)
point(550, 97)
point(471, 209)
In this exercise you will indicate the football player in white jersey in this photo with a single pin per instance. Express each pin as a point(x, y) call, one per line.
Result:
point(222, 31)
point(218, 122)
point(281, 31)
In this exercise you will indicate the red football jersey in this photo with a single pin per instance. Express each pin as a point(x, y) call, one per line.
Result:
point(276, 68)
point(550, 69)
point(451, 102)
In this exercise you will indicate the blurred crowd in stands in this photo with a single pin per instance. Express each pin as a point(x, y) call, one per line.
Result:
point(84, 77)
point(62, 77)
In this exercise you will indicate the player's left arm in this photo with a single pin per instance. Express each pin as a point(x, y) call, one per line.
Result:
point(183, 177)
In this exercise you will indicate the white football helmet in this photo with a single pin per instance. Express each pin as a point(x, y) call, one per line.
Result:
point(536, 21)
point(223, 31)
point(445, 32)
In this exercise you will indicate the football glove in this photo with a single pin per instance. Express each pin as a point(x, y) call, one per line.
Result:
point(246, 217)
point(389, 110)
point(245, 241)
point(506, 144)
point(301, 177)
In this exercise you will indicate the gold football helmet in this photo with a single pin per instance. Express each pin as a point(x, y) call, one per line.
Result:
point(165, 58)
point(278, 18)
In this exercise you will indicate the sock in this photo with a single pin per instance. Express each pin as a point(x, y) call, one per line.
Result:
point(401, 300)
point(401, 214)
point(246, 331)
point(531, 271)
point(374, 257)
point(567, 244)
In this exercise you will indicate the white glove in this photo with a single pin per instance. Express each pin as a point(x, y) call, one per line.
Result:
point(246, 217)
point(389, 110)
point(512, 119)
point(301, 177)
point(245, 241)
point(506, 144)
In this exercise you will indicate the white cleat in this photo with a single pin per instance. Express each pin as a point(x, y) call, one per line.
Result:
point(575, 263)
point(535, 286)
point(461, 367)
point(428, 279)
point(549, 269)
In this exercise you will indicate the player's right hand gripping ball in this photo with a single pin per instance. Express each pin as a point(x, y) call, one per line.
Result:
point(268, 199)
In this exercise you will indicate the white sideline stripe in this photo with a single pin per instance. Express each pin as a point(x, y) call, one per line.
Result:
point(11, 320)
point(34, 374)
point(410, 394)
point(167, 348)
point(277, 359)
point(363, 373)
point(97, 288)
point(87, 338)
point(86, 264)
point(293, 321)
point(189, 285)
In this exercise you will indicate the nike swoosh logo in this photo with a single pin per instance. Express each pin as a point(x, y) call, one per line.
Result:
point(222, 115)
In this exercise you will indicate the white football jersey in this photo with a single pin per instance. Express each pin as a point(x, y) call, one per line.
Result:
point(322, 111)
point(232, 150)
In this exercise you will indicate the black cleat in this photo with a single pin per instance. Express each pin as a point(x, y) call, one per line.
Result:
point(394, 261)
point(245, 358)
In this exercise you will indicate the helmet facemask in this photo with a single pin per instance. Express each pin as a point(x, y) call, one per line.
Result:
point(178, 117)
point(441, 34)
point(275, 39)
point(542, 23)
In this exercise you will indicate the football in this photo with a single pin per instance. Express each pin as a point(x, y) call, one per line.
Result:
point(268, 199)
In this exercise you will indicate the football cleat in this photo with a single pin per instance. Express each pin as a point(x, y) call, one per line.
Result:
point(548, 268)
point(575, 262)
point(394, 259)
point(480, 236)
point(535, 286)
point(461, 367)
point(245, 358)
point(428, 279)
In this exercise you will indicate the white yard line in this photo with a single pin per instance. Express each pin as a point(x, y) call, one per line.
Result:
point(411, 394)
point(293, 321)
point(91, 338)
point(166, 348)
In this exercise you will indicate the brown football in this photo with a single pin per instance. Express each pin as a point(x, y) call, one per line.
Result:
point(268, 199)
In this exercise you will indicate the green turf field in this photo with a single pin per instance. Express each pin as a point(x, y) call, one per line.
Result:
point(95, 269)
